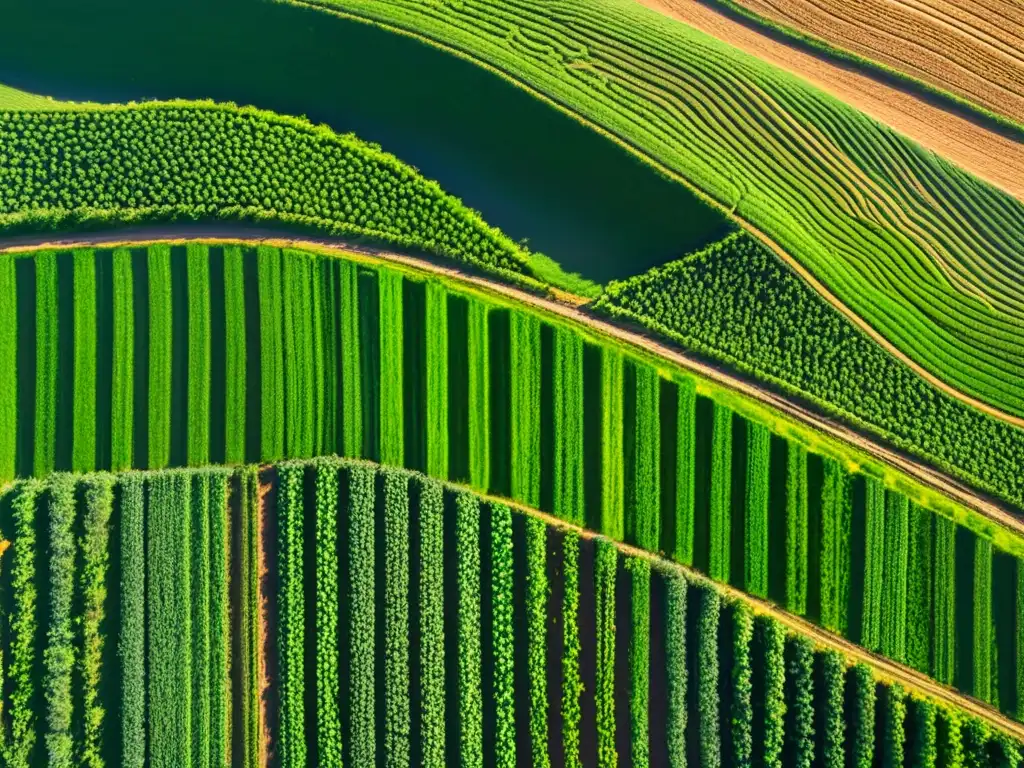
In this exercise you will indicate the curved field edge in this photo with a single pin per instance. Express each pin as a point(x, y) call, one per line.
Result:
point(267, 504)
point(456, 43)
point(203, 197)
point(679, 301)
point(820, 436)
point(890, 75)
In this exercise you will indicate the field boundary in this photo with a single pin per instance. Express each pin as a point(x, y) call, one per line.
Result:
point(571, 308)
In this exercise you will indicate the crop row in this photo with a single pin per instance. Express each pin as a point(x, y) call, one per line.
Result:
point(328, 356)
point(736, 302)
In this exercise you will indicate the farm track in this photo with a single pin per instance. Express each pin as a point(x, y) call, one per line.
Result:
point(995, 158)
point(910, 678)
point(568, 307)
point(974, 50)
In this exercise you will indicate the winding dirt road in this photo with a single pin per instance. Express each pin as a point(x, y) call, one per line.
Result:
point(567, 307)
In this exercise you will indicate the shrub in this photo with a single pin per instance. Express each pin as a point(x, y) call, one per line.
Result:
point(397, 733)
point(605, 560)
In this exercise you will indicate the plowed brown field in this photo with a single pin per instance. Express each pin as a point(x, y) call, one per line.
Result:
point(985, 153)
point(975, 49)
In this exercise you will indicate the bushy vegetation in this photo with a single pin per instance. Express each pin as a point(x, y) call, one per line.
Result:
point(736, 302)
point(335, 357)
point(201, 161)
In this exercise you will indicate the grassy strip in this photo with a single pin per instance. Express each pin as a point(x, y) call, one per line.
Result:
point(235, 352)
point(755, 537)
point(686, 473)
point(299, 350)
point(161, 355)
point(131, 632)
point(431, 608)
point(83, 438)
point(291, 616)
point(796, 529)
point(572, 682)
point(198, 269)
point(328, 673)
point(436, 321)
point(351, 373)
point(397, 735)
point(202, 680)
point(613, 469)
point(92, 590)
point(567, 390)
point(59, 653)
point(525, 363)
point(983, 631)
point(252, 751)
point(720, 526)
point(894, 593)
point(122, 380)
point(502, 631)
point(272, 394)
point(836, 512)
point(536, 638)
point(220, 621)
point(605, 561)
point(676, 673)
point(640, 662)
point(362, 747)
point(644, 476)
point(944, 648)
point(392, 424)
point(21, 630)
point(478, 346)
point(874, 563)
point(45, 458)
point(8, 367)
point(169, 621)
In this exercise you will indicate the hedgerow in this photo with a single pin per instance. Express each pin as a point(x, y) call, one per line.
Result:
point(291, 613)
point(392, 423)
point(742, 680)
point(800, 700)
point(755, 537)
point(982, 609)
point(161, 355)
point(796, 528)
point(922, 750)
point(524, 413)
point(436, 323)
point(644, 476)
point(191, 161)
point(45, 431)
point(893, 728)
point(720, 524)
point(861, 716)
point(605, 562)
point(235, 355)
point(8, 364)
point(467, 536)
point(431, 609)
point(328, 674)
point(362, 747)
point(676, 674)
point(123, 364)
point(201, 641)
point(640, 661)
point(836, 510)
point(944, 647)
point(567, 386)
point(773, 686)
point(83, 438)
point(874, 563)
point(502, 623)
point(831, 709)
point(220, 626)
point(59, 654)
point(397, 728)
point(131, 632)
point(686, 452)
point(737, 303)
point(708, 722)
point(536, 638)
point(920, 568)
point(198, 276)
point(612, 459)
point(572, 684)
point(893, 634)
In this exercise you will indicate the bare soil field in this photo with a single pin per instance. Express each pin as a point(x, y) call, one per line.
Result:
point(983, 152)
point(974, 49)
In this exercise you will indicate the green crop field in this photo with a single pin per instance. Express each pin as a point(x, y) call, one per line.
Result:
point(388, 383)
point(356, 684)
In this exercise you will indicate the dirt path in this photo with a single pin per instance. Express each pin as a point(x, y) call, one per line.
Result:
point(567, 307)
point(994, 158)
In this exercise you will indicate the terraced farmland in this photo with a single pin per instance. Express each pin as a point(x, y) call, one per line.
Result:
point(721, 470)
